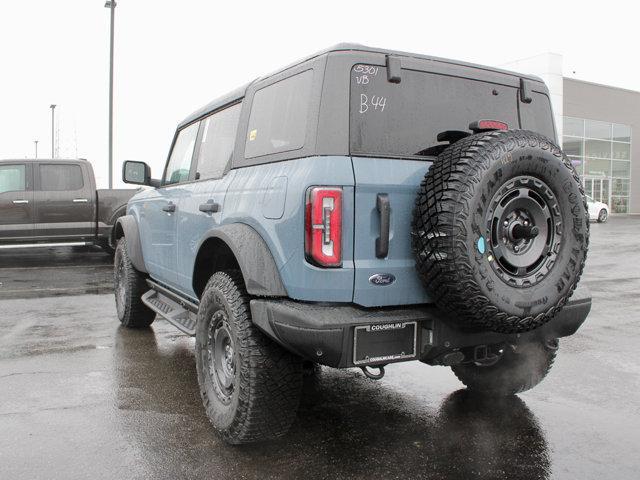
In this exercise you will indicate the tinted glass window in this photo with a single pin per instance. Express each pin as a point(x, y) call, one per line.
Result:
point(278, 119)
point(180, 160)
point(218, 138)
point(12, 178)
point(405, 118)
point(60, 177)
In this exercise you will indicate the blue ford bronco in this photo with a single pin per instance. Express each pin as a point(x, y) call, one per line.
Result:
point(357, 208)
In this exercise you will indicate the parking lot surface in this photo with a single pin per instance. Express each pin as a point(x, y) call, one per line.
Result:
point(81, 397)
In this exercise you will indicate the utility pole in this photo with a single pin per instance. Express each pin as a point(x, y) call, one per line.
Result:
point(111, 5)
point(53, 135)
point(36, 144)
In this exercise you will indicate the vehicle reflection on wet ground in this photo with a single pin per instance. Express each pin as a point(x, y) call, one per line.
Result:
point(81, 397)
point(44, 272)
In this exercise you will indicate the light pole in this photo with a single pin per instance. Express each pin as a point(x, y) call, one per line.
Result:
point(53, 137)
point(36, 144)
point(111, 5)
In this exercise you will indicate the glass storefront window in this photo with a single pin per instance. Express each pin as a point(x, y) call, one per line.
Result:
point(621, 151)
point(597, 167)
point(620, 187)
point(621, 169)
point(621, 133)
point(619, 204)
point(588, 189)
point(573, 126)
point(573, 146)
point(597, 148)
point(596, 129)
point(601, 154)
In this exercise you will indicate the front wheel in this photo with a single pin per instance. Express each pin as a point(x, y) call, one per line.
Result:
point(521, 367)
point(602, 216)
point(129, 286)
point(250, 386)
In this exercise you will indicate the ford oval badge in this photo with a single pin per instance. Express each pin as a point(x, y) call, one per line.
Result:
point(382, 279)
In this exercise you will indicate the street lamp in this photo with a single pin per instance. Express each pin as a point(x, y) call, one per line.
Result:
point(36, 144)
point(111, 5)
point(53, 138)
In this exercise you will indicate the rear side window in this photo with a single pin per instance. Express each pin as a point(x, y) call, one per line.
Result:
point(56, 178)
point(13, 178)
point(179, 164)
point(217, 141)
point(278, 119)
point(403, 119)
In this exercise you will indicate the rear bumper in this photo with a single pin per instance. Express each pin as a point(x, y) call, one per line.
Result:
point(324, 332)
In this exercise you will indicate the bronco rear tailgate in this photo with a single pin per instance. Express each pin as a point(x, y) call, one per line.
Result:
point(391, 280)
point(394, 124)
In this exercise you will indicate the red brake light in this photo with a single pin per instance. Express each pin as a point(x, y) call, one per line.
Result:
point(482, 125)
point(323, 226)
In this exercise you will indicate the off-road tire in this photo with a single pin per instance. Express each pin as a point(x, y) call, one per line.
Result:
point(450, 231)
point(522, 367)
point(602, 216)
point(129, 286)
point(268, 379)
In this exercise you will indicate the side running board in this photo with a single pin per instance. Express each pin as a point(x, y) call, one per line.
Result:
point(178, 312)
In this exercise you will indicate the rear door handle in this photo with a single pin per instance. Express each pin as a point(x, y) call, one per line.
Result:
point(384, 209)
point(169, 207)
point(209, 207)
point(17, 202)
point(80, 200)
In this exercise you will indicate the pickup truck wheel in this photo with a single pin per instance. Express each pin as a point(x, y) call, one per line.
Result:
point(250, 386)
point(129, 286)
point(501, 231)
point(521, 367)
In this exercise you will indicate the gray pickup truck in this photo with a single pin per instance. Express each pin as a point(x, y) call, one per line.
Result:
point(55, 202)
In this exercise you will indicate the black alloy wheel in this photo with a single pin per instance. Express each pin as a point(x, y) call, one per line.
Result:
point(525, 229)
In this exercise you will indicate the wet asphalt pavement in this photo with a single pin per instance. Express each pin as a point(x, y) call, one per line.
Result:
point(81, 397)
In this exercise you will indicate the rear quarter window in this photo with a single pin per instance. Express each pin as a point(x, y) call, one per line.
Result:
point(278, 118)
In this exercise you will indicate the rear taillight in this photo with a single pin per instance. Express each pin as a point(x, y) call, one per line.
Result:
point(323, 226)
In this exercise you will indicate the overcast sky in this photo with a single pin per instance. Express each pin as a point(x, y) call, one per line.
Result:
point(173, 57)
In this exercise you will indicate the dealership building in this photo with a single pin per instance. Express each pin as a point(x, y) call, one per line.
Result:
point(595, 124)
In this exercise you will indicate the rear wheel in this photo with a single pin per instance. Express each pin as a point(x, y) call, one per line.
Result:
point(521, 367)
point(129, 286)
point(250, 386)
point(602, 216)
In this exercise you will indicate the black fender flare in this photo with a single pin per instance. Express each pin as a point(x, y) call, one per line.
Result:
point(120, 212)
point(126, 226)
point(259, 269)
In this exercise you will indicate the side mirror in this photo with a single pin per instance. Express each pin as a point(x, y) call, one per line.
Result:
point(137, 173)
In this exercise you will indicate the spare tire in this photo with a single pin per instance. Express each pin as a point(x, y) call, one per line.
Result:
point(501, 230)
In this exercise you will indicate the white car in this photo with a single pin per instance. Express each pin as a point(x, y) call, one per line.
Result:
point(597, 210)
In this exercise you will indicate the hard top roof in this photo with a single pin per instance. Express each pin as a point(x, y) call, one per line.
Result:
point(341, 47)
